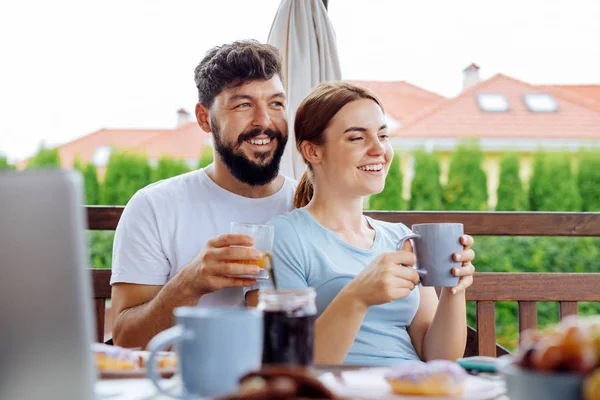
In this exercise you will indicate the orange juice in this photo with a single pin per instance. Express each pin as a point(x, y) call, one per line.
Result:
point(263, 262)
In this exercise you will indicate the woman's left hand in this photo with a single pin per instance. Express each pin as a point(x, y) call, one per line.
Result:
point(466, 271)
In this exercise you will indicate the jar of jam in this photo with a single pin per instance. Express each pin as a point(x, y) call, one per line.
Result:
point(288, 317)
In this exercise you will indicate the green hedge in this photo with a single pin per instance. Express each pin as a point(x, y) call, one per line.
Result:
point(126, 173)
point(4, 163)
point(391, 196)
point(511, 196)
point(206, 158)
point(90, 179)
point(466, 189)
point(425, 188)
point(552, 186)
point(168, 167)
point(44, 159)
point(589, 180)
point(533, 254)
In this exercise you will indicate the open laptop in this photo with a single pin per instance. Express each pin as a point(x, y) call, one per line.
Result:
point(46, 314)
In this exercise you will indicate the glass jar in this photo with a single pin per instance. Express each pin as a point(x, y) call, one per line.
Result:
point(289, 316)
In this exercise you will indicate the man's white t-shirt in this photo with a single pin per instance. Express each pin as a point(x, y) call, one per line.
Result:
point(166, 224)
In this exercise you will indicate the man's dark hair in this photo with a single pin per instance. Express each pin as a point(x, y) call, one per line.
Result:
point(234, 64)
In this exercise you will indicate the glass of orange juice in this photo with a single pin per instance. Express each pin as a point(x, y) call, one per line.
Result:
point(263, 236)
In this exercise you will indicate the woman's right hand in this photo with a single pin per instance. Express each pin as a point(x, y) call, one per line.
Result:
point(386, 279)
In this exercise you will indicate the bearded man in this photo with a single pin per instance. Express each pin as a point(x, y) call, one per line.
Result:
point(172, 247)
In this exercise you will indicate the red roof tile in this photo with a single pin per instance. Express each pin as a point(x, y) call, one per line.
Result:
point(585, 94)
point(186, 141)
point(461, 117)
point(401, 100)
point(85, 146)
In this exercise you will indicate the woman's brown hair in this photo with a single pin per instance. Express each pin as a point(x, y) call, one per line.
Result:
point(312, 117)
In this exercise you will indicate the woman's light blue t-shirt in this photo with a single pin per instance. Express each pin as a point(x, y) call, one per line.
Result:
point(306, 254)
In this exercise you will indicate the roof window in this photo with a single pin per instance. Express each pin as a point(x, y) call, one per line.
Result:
point(540, 102)
point(492, 102)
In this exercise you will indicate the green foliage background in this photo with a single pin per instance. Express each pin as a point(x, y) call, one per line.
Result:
point(4, 163)
point(426, 189)
point(511, 196)
point(168, 167)
point(206, 158)
point(589, 180)
point(391, 196)
point(560, 182)
point(44, 159)
point(467, 183)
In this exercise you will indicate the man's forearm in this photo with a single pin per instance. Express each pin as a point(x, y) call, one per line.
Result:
point(135, 326)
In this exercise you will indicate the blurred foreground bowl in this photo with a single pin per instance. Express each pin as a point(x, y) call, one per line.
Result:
point(526, 384)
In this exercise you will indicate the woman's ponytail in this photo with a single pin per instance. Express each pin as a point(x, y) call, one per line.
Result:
point(304, 190)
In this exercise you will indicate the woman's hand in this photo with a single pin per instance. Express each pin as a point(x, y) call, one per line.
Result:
point(387, 278)
point(466, 271)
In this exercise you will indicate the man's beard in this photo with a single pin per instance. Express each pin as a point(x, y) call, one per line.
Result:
point(240, 166)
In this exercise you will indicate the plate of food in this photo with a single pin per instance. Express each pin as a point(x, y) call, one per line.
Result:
point(414, 380)
point(114, 362)
point(561, 362)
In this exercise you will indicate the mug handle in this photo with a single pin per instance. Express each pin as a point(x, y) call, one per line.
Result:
point(403, 239)
point(171, 336)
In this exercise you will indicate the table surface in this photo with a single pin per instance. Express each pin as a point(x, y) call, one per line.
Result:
point(143, 389)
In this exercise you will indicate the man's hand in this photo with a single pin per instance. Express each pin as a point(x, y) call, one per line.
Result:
point(217, 263)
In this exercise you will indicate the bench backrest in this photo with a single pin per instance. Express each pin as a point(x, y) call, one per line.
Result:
point(525, 288)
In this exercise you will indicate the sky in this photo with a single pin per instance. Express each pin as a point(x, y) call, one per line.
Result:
point(71, 67)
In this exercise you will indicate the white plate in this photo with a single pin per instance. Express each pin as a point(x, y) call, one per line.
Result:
point(369, 383)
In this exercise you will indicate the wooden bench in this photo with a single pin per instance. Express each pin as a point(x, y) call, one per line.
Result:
point(524, 288)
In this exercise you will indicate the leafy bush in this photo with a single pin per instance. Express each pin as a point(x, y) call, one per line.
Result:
point(552, 186)
point(426, 189)
point(533, 254)
point(391, 196)
point(90, 179)
point(44, 159)
point(466, 189)
point(100, 245)
point(126, 173)
point(168, 167)
point(4, 163)
point(511, 196)
point(589, 180)
point(206, 158)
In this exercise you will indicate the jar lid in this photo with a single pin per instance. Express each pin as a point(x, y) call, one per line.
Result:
point(290, 300)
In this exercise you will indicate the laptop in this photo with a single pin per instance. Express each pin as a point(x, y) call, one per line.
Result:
point(46, 314)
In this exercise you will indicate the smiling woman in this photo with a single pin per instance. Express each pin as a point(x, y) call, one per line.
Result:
point(371, 309)
point(358, 117)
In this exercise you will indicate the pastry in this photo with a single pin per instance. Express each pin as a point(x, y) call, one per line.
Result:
point(114, 358)
point(434, 378)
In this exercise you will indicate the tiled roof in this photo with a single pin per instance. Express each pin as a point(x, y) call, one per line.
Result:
point(588, 95)
point(85, 146)
point(461, 117)
point(401, 100)
point(185, 141)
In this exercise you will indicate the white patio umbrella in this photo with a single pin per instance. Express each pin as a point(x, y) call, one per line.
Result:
point(303, 34)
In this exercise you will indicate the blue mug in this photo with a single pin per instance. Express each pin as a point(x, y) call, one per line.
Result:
point(216, 347)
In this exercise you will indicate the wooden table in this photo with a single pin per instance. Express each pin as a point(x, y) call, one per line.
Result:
point(143, 389)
